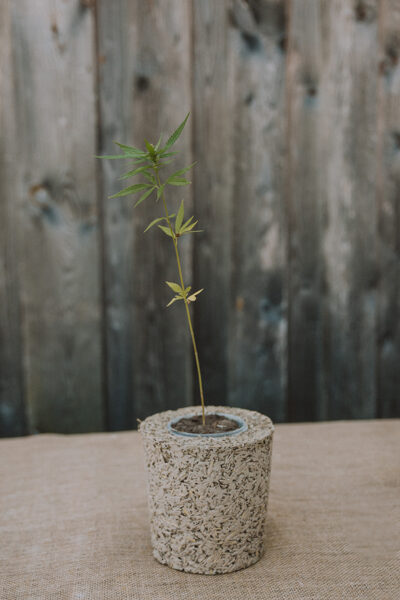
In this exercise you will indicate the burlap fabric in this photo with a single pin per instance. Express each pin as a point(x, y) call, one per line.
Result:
point(73, 520)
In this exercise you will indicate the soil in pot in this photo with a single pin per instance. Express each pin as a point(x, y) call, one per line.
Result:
point(213, 424)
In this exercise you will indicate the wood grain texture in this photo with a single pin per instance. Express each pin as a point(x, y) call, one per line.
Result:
point(389, 214)
point(12, 412)
point(258, 324)
point(213, 191)
point(115, 58)
point(149, 354)
point(348, 127)
point(305, 208)
point(54, 74)
point(332, 171)
point(295, 127)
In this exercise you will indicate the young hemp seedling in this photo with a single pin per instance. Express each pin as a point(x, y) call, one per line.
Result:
point(148, 164)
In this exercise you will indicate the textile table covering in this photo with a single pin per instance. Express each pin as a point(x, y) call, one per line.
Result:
point(73, 520)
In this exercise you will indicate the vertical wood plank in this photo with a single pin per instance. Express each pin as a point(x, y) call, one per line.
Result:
point(145, 88)
point(389, 214)
point(333, 113)
point(257, 377)
point(12, 417)
point(58, 222)
point(212, 191)
point(349, 129)
point(304, 195)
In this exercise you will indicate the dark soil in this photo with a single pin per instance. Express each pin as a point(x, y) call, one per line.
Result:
point(214, 424)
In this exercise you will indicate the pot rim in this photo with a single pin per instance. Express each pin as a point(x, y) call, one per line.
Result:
point(242, 426)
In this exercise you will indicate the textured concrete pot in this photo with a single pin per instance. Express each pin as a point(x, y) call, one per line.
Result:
point(208, 495)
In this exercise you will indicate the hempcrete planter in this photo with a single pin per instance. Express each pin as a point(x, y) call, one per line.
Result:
point(208, 495)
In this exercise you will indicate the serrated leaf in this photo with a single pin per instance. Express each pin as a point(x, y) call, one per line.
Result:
point(182, 171)
point(166, 230)
point(173, 138)
point(139, 161)
point(145, 195)
point(178, 181)
point(131, 190)
point(175, 287)
point(179, 218)
point(134, 172)
point(176, 178)
point(160, 165)
point(187, 289)
point(131, 149)
point(165, 154)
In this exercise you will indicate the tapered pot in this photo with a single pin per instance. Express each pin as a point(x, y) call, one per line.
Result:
point(208, 495)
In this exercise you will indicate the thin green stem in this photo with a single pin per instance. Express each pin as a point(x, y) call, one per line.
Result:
point(175, 242)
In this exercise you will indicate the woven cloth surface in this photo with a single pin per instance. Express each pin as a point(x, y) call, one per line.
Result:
point(73, 520)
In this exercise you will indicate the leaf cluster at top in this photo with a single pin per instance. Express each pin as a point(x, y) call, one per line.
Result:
point(148, 163)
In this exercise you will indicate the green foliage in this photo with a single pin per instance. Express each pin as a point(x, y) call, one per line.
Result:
point(174, 137)
point(132, 190)
point(148, 164)
point(182, 293)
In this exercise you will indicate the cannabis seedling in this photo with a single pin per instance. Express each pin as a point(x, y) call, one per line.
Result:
point(148, 164)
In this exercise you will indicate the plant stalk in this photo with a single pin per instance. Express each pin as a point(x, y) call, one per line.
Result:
point(196, 355)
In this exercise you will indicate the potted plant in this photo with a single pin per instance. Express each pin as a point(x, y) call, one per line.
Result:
point(208, 468)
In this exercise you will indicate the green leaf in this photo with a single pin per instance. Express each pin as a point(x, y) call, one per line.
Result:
point(177, 181)
point(140, 161)
point(160, 165)
point(145, 195)
point(182, 171)
point(131, 190)
point(175, 287)
point(185, 225)
point(160, 191)
point(166, 154)
point(134, 172)
point(166, 230)
point(131, 149)
point(174, 299)
point(156, 147)
point(172, 139)
point(150, 149)
point(157, 221)
point(189, 227)
point(179, 218)
point(150, 178)
point(153, 223)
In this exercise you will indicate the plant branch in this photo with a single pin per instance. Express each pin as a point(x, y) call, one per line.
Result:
point(175, 242)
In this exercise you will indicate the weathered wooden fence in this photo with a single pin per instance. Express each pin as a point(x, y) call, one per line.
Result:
point(296, 129)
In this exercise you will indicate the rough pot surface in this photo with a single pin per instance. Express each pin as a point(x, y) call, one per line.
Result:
point(208, 496)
